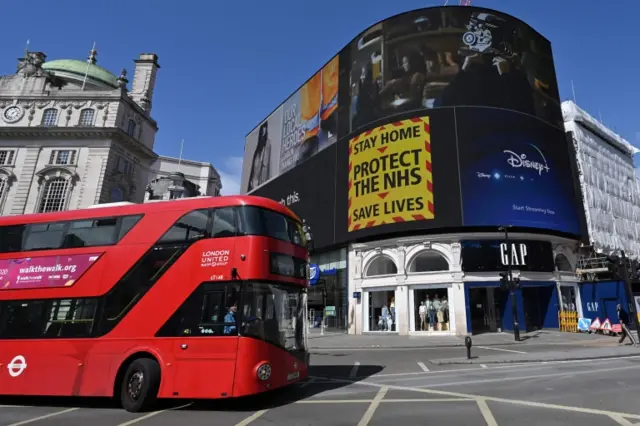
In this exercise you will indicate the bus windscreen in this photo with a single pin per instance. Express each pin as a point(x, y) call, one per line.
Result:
point(44, 271)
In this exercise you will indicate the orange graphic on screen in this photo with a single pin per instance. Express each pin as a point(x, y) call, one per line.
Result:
point(310, 98)
point(330, 88)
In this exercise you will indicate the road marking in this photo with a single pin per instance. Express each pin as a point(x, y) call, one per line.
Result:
point(369, 401)
point(507, 379)
point(335, 401)
point(308, 382)
point(424, 367)
point(153, 414)
point(621, 420)
point(511, 365)
point(486, 412)
point(46, 416)
point(354, 370)
point(500, 349)
point(251, 418)
point(364, 421)
point(505, 400)
point(483, 366)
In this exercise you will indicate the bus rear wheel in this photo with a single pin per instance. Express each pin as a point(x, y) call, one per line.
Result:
point(139, 388)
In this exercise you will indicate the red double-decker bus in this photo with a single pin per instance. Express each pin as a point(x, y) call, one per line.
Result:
point(196, 298)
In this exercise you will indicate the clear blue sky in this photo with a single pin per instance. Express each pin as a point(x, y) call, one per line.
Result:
point(227, 64)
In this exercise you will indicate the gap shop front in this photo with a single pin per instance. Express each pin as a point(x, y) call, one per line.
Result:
point(444, 287)
point(406, 286)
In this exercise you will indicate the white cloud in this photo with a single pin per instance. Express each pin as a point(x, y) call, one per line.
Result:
point(231, 175)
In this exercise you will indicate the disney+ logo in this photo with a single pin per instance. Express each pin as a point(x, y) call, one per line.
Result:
point(521, 161)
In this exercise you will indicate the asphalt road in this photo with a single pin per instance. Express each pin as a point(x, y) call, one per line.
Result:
point(382, 387)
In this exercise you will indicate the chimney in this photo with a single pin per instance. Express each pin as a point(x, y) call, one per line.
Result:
point(144, 80)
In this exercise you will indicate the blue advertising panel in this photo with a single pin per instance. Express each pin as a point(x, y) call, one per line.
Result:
point(514, 170)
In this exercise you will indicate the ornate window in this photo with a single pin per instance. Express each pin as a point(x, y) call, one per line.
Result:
point(55, 194)
point(50, 117)
point(117, 195)
point(131, 128)
point(4, 189)
point(86, 117)
point(428, 261)
point(381, 265)
point(63, 157)
point(6, 157)
point(562, 263)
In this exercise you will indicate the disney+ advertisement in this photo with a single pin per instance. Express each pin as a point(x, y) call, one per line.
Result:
point(515, 170)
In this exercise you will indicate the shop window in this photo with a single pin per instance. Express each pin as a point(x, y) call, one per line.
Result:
point(382, 311)
point(431, 308)
point(563, 264)
point(381, 265)
point(428, 261)
point(568, 296)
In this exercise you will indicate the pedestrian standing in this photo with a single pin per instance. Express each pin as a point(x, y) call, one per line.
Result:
point(623, 317)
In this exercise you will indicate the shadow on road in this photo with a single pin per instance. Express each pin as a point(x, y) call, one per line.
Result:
point(322, 379)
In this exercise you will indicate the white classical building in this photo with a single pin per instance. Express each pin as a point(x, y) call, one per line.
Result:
point(610, 190)
point(171, 178)
point(72, 135)
point(405, 271)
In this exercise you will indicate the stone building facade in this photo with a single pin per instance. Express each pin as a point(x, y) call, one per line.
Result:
point(73, 135)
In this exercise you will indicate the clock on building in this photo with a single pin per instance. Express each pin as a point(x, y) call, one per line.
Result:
point(12, 114)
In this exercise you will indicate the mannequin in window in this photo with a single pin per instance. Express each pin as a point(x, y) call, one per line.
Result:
point(392, 307)
point(439, 315)
point(445, 313)
point(422, 311)
point(261, 161)
point(431, 310)
point(385, 317)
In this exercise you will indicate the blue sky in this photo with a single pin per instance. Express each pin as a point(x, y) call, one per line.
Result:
point(227, 64)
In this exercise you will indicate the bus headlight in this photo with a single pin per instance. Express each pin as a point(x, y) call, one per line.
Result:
point(264, 371)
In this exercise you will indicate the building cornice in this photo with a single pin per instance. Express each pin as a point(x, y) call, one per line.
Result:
point(48, 133)
point(116, 95)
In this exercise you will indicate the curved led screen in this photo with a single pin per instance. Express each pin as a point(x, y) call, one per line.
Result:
point(444, 117)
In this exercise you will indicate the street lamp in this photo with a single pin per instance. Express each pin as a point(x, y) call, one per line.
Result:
point(510, 284)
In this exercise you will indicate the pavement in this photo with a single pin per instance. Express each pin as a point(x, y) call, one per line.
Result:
point(371, 386)
point(339, 340)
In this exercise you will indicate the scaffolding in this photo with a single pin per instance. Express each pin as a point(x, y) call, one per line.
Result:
point(589, 266)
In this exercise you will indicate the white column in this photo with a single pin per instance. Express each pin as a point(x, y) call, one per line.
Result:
point(458, 309)
point(402, 309)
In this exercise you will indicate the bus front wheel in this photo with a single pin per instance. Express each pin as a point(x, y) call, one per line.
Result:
point(139, 388)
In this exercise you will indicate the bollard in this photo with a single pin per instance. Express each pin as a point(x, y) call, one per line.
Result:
point(468, 343)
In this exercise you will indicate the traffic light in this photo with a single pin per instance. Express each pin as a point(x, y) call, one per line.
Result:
point(504, 280)
point(516, 282)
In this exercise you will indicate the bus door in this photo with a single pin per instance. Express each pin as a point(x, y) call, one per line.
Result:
point(206, 354)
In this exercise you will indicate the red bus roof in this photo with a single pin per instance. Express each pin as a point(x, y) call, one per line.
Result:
point(186, 204)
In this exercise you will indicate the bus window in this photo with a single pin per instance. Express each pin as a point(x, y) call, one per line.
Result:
point(11, 238)
point(210, 311)
point(43, 236)
point(21, 319)
point(224, 222)
point(192, 226)
point(70, 317)
point(135, 284)
point(126, 224)
point(274, 313)
point(257, 221)
point(87, 233)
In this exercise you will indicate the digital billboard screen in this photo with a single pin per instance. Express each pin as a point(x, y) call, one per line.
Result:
point(445, 117)
point(309, 192)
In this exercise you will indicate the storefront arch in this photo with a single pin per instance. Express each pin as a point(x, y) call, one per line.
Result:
point(562, 263)
point(427, 261)
point(380, 265)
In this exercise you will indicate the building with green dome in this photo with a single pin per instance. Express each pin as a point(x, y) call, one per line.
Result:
point(74, 134)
